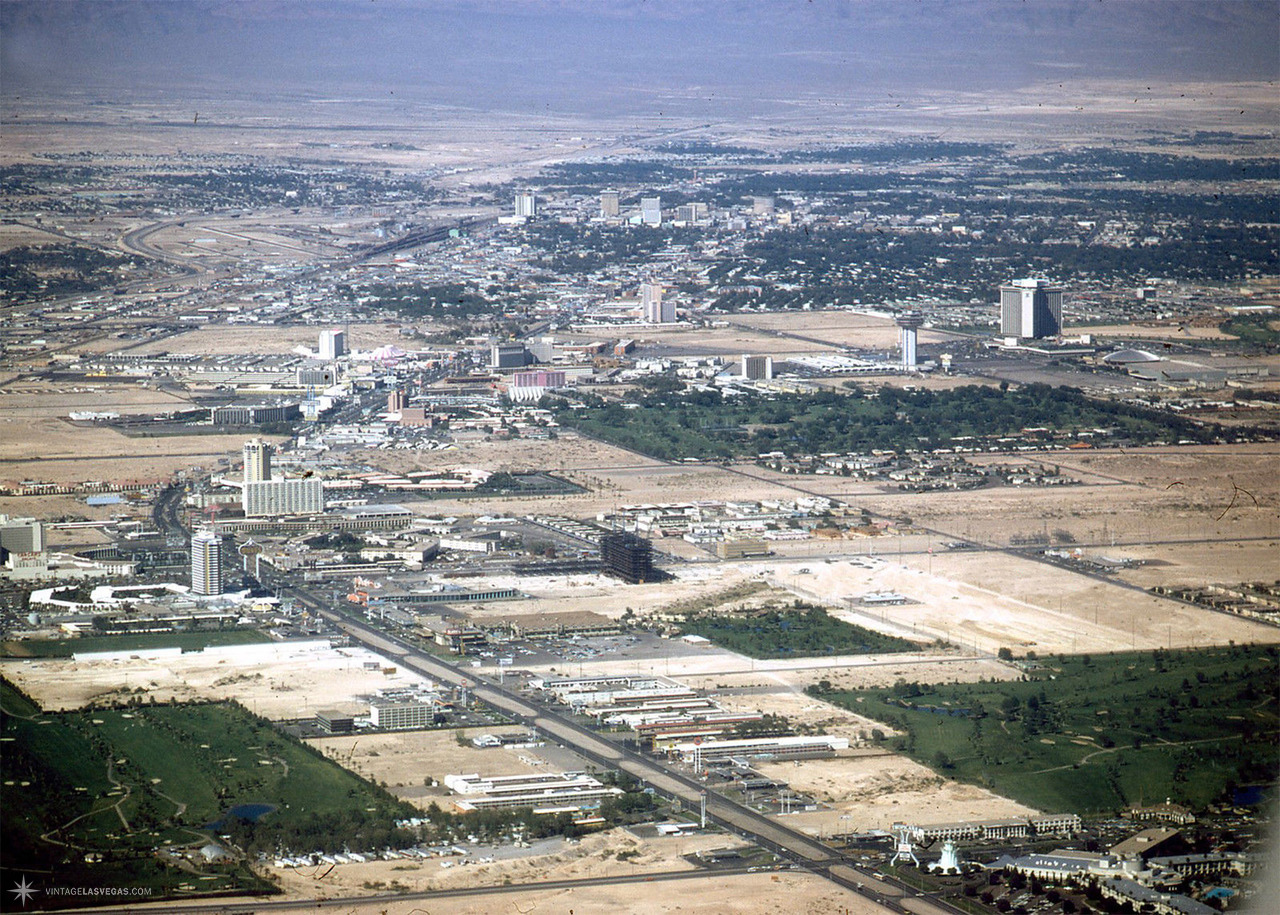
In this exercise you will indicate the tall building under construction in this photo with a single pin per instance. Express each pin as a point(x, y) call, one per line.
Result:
point(627, 556)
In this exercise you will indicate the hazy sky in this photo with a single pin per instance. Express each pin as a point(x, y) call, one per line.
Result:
point(626, 55)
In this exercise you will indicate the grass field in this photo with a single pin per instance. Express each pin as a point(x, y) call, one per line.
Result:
point(187, 641)
point(122, 783)
point(1092, 734)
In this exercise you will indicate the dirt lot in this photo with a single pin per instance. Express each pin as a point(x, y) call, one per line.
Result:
point(835, 328)
point(874, 789)
point(985, 602)
point(38, 441)
point(1170, 505)
point(116, 457)
point(406, 760)
point(13, 235)
point(70, 506)
point(247, 338)
point(748, 894)
point(612, 476)
point(727, 342)
point(279, 680)
point(864, 672)
point(1158, 332)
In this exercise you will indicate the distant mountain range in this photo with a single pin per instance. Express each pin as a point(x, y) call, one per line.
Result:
point(628, 56)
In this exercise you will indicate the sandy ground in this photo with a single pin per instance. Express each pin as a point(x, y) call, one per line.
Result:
point(594, 856)
point(247, 338)
point(780, 336)
point(836, 328)
point(280, 680)
point(48, 507)
point(728, 343)
point(37, 440)
point(63, 453)
point(46, 398)
point(1172, 507)
point(748, 894)
point(875, 789)
point(857, 672)
point(1157, 332)
point(408, 760)
point(803, 711)
point(612, 476)
point(13, 235)
point(604, 594)
point(977, 601)
point(1199, 513)
point(984, 602)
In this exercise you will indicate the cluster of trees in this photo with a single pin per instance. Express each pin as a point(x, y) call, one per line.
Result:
point(1080, 725)
point(1256, 331)
point(703, 425)
point(843, 264)
point(576, 249)
point(349, 829)
point(592, 177)
point(453, 300)
point(202, 184)
point(336, 540)
point(1103, 164)
point(904, 153)
point(32, 179)
point(50, 270)
point(801, 631)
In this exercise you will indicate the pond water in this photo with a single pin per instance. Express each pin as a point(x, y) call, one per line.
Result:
point(250, 813)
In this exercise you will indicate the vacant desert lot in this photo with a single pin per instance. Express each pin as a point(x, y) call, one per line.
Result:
point(276, 680)
point(833, 328)
point(408, 759)
point(266, 339)
point(38, 441)
point(986, 601)
point(875, 789)
point(746, 894)
point(1195, 513)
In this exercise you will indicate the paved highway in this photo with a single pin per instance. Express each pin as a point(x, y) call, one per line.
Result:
point(253, 906)
point(788, 843)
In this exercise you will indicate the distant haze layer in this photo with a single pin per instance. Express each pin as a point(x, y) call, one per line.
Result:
point(625, 56)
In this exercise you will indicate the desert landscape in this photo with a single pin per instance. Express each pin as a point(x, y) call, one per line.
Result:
point(445, 373)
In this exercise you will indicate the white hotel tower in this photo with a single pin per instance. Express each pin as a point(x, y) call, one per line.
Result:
point(257, 461)
point(206, 563)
